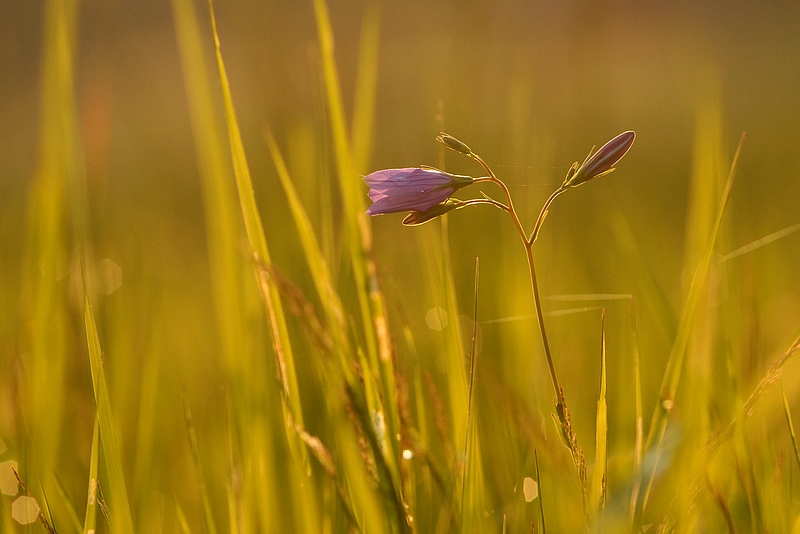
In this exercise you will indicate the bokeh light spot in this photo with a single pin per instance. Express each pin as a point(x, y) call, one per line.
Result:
point(25, 510)
point(8, 481)
point(530, 488)
point(436, 319)
point(109, 276)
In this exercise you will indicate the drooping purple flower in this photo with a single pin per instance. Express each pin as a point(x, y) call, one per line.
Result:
point(603, 161)
point(411, 189)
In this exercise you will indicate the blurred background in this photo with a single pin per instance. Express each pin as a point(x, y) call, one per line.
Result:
point(530, 86)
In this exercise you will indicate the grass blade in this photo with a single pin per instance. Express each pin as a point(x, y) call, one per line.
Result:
point(198, 466)
point(47, 208)
point(90, 519)
point(223, 226)
point(314, 258)
point(359, 238)
point(672, 373)
point(472, 478)
point(258, 245)
point(120, 509)
point(788, 415)
point(639, 440)
point(366, 84)
point(182, 520)
point(539, 488)
point(598, 488)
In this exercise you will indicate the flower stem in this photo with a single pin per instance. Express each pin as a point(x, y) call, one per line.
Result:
point(564, 419)
point(559, 394)
point(528, 243)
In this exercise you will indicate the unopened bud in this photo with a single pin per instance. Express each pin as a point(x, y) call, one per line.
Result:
point(415, 218)
point(453, 144)
point(602, 162)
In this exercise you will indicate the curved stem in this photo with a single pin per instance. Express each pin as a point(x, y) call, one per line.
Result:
point(537, 304)
point(491, 201)
point(528, 242)
point(542, 214)
point(561, 403)
point(511, 211)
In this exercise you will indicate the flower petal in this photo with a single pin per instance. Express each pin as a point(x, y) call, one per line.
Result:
point(420, 202)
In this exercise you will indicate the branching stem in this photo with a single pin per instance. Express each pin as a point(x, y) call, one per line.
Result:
point(528, 241)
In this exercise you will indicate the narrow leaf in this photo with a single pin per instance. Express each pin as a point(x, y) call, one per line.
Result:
point(601, 433)
point(120, 507)
point(90, 519)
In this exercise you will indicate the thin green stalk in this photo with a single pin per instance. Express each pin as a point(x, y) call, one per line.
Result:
point(540, 317)
point(562, 412)
point(470, 416)
point(528, 241)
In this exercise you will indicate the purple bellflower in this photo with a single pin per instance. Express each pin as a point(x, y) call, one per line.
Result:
point(411, 189)
point(601, 162)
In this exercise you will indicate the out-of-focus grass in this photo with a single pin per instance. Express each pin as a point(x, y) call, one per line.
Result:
point(329, 373)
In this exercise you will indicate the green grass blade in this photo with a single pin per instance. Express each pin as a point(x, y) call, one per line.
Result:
point(120, 507)
point(223, 226)
point(208, 515)
point(41, 287)
point(258, 244)
point(472, 478)
point(672, 373)
point(366, 84)
point(789, 423)
point(90, 518)
point(315, 260)
point(539, 489)
point(442, 285)
point(600, 473)
point(333, 307)
point(639, 419)
point(65, 502)
point(182, 520)
point(359, 236)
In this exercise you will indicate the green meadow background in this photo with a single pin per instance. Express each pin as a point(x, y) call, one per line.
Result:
point(196, 312)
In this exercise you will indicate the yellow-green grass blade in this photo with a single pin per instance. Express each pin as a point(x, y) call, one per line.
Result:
point(366, 84)
point(330, 300)
point(599, 475)
point(707, 179)
point(223, 226)
point(146, 421)
point(639, 419)
point(672, 373)
point(232, 490)
point(182, 520)
point(789, 423)
point(120, 507)
point(65, 502)
point(208, 515)
point(472, 497)
point(90, 518)
point(300, 486)
point(441, 280)
point(436, 253)
point(359, 234)
point(258, 245)
point(47, 208)
point(539, 489)
point(315, 260)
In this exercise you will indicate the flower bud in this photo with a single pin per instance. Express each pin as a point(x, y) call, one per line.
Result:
point(453, 144)
point(416, 218)
point(602, 162)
